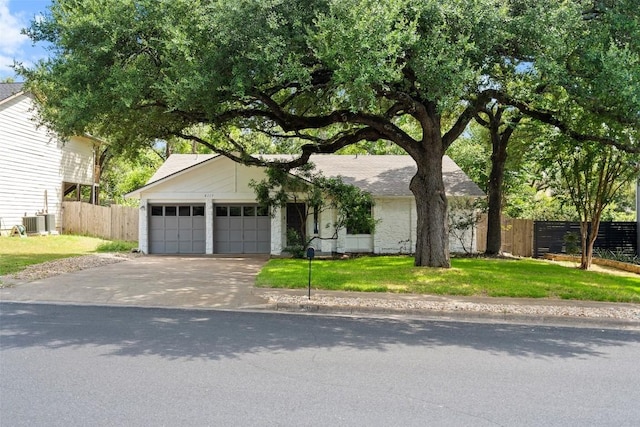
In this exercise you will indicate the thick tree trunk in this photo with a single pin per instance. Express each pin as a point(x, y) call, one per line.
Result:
point(496, 177)
point(427, 186)
point(499, 142)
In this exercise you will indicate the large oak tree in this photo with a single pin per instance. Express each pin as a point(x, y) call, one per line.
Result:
point(323, 74)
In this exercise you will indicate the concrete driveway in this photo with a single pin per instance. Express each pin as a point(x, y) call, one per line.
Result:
point(160, 281)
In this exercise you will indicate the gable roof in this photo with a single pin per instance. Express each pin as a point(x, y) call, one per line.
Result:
point(7, 90)
point(384, 175)
point(390, 175)
point(178, 163)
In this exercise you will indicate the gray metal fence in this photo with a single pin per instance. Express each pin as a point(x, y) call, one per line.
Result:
point(549, 236)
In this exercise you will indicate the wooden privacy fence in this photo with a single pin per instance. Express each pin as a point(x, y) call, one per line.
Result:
point(113, 223)
point(517, 236)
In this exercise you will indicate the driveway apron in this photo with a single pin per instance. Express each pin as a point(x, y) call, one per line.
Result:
point(158, 281)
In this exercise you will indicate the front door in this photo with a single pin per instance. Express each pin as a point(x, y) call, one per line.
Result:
point(296, 221)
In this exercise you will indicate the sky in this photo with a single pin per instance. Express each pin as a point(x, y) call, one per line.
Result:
point(15, 15)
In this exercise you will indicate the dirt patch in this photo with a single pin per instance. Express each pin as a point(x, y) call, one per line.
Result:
point(598, 268)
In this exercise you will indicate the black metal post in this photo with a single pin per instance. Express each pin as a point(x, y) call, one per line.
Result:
point(310, 254)
point(309, 297)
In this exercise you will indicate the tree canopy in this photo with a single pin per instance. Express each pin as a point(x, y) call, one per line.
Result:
point(326, 74)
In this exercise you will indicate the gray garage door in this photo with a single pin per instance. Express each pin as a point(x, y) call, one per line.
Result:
point(241, 229)
point(177, 229)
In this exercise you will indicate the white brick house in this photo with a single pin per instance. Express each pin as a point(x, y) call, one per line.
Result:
point(203, 204)
point(36, 168)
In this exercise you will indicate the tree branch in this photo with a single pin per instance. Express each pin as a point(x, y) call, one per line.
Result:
point(328, 147)
point(550, 118)
point(463, 119)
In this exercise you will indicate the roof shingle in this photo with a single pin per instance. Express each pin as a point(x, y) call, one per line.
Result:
point(9, 89)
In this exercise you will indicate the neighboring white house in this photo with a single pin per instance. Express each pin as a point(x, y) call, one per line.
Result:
point(36, 168)
point(199, 203)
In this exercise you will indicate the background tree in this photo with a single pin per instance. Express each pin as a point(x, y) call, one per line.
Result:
point(494, 118)
point(472, 152)
point(125, 174)
point(592, 175)
point(321, 75)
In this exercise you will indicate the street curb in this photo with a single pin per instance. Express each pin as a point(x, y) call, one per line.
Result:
point(380, 312)
point(467, 316)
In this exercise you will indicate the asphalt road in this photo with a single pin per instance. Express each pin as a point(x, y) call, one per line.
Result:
point(85, 366)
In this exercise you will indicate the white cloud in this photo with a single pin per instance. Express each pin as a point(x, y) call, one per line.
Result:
point(15, 47)
point(5, 62)
point(10, 26)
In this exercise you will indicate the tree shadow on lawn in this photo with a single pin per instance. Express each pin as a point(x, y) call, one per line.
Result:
point(215, 335)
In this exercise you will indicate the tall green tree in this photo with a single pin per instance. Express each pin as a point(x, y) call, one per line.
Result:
point(495, 118)
point(592, 175)
point(321, 74)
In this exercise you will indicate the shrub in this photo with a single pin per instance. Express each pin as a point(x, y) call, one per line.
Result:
point(572, 243)
point(117, 246)
point(295, 244)
point(617, 256)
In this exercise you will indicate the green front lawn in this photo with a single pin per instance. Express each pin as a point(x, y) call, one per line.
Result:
point(16, 253)
point(522, 278)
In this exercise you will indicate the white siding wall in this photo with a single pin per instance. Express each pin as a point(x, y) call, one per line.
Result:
point(395, 231)
point(33, 164)
point(324, 242)
point(76, 164)
point(223, 181)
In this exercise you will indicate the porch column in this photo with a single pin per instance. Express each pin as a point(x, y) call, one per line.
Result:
point(208, 219)
point(277, 230)
point(325, 228)
point(143, 227)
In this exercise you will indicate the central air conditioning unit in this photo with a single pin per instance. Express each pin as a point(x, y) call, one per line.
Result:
point(34, 224)
point(49, 222)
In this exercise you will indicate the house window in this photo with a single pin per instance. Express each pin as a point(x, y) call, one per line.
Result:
point(360, 227)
